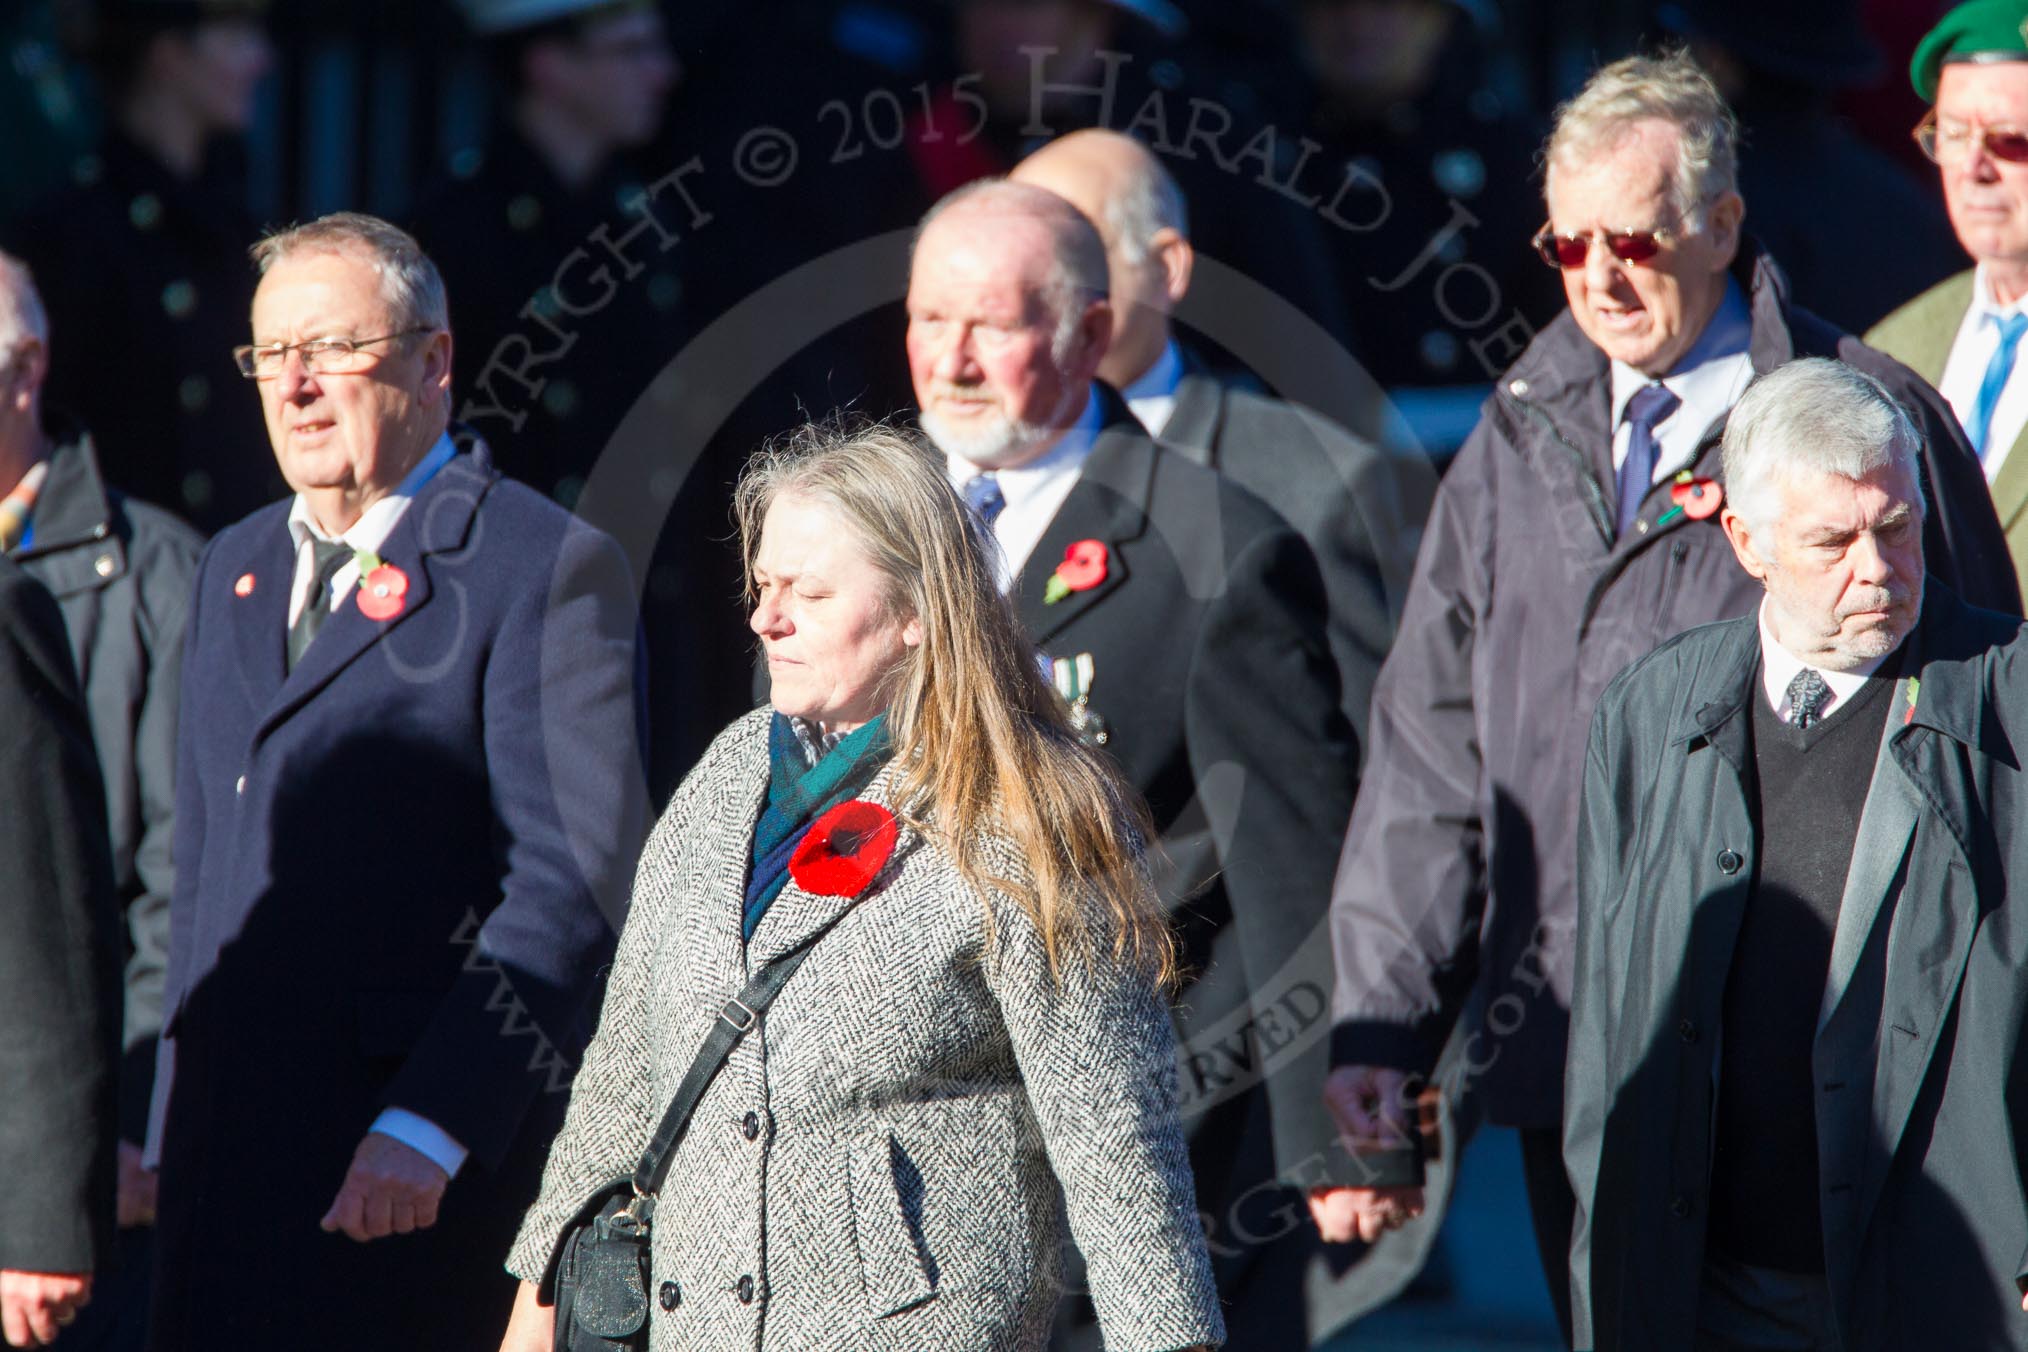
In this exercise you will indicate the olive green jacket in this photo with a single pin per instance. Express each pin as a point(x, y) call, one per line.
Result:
point(1919, 335)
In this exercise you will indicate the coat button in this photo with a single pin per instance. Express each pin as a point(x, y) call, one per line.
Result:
point(103, 565)
point(1679, 1206)
point(1729, 861)
point(1687, 1030)
point(239, 785)
point(668, 1296)
point(750, 1128)
point(746, 1290)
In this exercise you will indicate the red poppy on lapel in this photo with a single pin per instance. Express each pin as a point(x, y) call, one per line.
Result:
point(1083, 567)
point(381, 592)
point(844, 849)
point(245, 585)
point(1699, 498)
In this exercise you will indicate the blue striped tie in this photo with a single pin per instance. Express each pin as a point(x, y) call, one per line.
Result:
point(1651, 405)
point(1995, 381)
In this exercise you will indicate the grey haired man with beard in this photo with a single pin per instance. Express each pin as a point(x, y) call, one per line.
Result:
point(1796, 1014)
point(1183, 622)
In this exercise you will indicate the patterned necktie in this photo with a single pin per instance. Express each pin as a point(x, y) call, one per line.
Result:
point(1995, 381)
point(983, 495)
point(1807, 697)
point(1650, 406)
point(19, 505)
point(328, 556)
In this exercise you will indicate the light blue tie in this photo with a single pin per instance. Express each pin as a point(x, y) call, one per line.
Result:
point(1995, 381)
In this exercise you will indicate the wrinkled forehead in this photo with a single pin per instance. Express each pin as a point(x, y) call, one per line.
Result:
point(1002, 255)
point(1988, 94)
point(1621, 178)
point(322, 292)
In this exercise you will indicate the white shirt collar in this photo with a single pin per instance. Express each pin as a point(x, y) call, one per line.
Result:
point(1779, 666)
point(377, 522)
point(1153, 396)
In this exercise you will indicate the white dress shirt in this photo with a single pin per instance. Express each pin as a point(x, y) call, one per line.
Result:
point(1978, 338)
point(1708, 380)
point(1035, 491)
point(367, 535)
point(1778, 666)
point(1153, 396)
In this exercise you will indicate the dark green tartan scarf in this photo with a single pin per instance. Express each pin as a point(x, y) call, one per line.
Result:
point(798, 794)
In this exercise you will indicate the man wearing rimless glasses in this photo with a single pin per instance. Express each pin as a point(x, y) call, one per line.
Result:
point(1965, 333)
point(1577, 530)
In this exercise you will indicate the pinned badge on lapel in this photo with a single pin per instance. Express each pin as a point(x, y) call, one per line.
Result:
point(1083, 567)
point(245, 585)
point(1073, 679)
point(382, 588)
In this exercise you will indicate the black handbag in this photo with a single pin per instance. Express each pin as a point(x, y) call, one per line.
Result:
point(601, 1268)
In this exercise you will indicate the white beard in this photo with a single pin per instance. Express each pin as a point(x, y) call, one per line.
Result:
point(990, 444)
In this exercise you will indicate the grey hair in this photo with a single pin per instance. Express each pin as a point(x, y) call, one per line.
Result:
point(1671, 88)
point(1812, 418)
point(409, 281)
point(1079, 272)
point(21, 311)
point(1144, 203)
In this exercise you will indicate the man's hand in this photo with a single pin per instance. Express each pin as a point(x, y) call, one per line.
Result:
point(1374, 1107)
point(390, 1189)
point(136, 1189)
point(35, 1306)
point(1345, 1214)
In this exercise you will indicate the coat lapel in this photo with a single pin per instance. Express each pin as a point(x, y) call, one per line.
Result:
point(436, 522)
point(2010, 487)
point(795, 914)
point(1194, 422)
point(1108, 503)
point(266, 569)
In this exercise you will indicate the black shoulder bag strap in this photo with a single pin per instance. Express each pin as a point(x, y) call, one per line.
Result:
point(733, 1023)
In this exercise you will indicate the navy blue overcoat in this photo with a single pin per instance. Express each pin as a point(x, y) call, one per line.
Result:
point(400, 868)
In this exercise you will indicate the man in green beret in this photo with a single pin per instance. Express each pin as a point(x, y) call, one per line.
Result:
point(1965, 334)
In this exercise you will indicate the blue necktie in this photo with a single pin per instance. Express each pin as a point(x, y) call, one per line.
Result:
point(1650, 405)
point(1997, 371)
point(983, 495)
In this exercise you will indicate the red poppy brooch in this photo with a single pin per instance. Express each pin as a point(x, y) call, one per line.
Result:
point(1698, 499)
point(382, 590)
point(844, 849)
point(1083, 567)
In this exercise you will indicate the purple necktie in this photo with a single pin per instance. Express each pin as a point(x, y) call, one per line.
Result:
point(1649, 406)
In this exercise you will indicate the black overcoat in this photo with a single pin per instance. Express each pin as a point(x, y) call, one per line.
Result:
point(1918, 1054)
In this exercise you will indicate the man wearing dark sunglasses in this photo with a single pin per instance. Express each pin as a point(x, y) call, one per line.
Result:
point(1576, 531)
point(1964, 334)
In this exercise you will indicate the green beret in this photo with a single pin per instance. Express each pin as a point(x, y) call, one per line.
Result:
point(1978, 30)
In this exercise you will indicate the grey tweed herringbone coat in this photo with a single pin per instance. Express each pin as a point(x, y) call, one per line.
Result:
point(877, 1165)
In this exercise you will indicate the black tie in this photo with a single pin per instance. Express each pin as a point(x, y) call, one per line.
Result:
point(329, 557)
point(1807, 694)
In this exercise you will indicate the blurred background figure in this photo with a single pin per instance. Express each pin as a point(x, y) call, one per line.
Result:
point(1440, 151)
point(1780, 67)
point(142, 259)
point(120, 571)
point(585, 84)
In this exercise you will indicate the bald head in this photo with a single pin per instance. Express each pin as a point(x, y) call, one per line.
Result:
point(1140, 215)
point(1008, 320)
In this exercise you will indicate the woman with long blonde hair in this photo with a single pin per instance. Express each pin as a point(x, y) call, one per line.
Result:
point(975, 1040)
